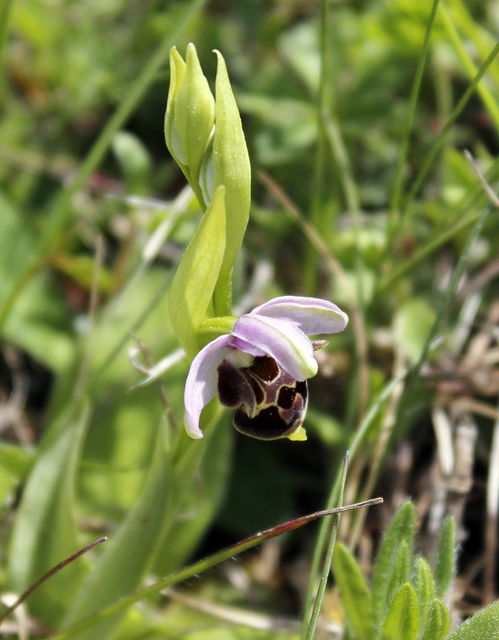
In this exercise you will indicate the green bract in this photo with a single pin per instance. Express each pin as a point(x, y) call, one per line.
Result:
point(206, 139)
point(231, 167)
point(192, 288)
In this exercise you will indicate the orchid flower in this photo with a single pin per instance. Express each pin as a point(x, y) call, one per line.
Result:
point(261, 367)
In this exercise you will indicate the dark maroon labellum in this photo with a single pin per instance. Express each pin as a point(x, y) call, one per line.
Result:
point(270, 403)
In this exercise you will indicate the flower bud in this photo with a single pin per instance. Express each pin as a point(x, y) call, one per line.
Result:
point(190, 114)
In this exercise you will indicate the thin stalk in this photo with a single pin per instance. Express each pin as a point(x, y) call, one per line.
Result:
point(469, 65)
point(446, 301)
point(202, 565)
point(57, 220)
point(328, 559)
point(399, 173)
point(349, 187)
point(335, 489)
point(46, 576)
point(427, 249)
point(320, 165)
point(450, 123)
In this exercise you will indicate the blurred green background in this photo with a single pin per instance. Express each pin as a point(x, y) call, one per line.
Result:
point(85, 184)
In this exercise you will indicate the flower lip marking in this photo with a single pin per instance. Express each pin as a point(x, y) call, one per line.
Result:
point(270, 403)
point(261, 367)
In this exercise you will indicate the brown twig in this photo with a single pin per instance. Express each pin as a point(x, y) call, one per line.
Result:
point(48, 575)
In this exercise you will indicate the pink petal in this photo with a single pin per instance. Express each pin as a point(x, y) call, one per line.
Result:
point(279, 338)
point(201, 383)
point(314, 315)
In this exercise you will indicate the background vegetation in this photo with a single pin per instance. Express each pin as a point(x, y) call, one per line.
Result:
point(361, 194)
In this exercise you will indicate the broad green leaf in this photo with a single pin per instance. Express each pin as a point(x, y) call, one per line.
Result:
point(355, 594)
point(400, 529)
point(45, 532)
point(401, 570)
point(446, 558)
point(425, 591)
point(129, 552)
point(484, 625)
point(231, 168)
point(438, 622)
point(402, 619)
point(192, 288)
point(132, 550)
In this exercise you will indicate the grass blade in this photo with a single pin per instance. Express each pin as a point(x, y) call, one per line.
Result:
point(202, 565)
point(312, 625)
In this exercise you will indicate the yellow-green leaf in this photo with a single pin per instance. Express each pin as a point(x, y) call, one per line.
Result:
point(192, 288)
point(402, 619)
point(355, 594)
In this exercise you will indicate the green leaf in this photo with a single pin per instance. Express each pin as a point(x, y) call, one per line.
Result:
point(128, 553)
point(445, 561)
point(202, 502)
point(402, 619)
point(401, 529)
point(45, 531)
point(132, 550)
point(401, 570)
point(177, 74)
point(355, 594)
point(16, 460)
point(425, 591)
point(484, 625)
point(134, 160)
point(192, 288)
point(438, 622)
point(231, 167)
point(413, 322)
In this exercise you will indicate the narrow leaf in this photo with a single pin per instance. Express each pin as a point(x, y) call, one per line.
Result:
point(355, 594)
point(401, 570)
point(45, 531)
point(438, 622)
point(192, 288)
point(400, 529)
point(446, 558)
point(484, 625)
point(402, 619)
point(129, 552)
point(425, 592)
point(107, 612)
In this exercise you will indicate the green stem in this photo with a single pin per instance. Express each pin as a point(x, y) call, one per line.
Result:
point(462, 221)
point(447, 299)
point(440, 140)
point(399, 174)
point(328, 559)
point(335, 490)
point(470, 67)
point(202, 565)
point(310, 271)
